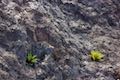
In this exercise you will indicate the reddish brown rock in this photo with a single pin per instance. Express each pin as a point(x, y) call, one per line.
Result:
point(41, 34)
point(117, 73)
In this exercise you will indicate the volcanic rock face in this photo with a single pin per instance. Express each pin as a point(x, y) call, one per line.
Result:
point(66, 30)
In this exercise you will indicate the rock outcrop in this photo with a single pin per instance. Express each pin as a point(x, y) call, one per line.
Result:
point(67, 30)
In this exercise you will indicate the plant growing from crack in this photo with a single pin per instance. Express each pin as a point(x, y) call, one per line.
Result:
point(96, 55)
point(31, 59)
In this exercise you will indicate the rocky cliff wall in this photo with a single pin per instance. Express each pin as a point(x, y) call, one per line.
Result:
point(67, 30)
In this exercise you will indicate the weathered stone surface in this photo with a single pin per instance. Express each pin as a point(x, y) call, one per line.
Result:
point(61, 33)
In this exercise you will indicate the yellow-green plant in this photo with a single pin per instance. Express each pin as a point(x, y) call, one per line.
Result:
point(96, 55)
point(31, 59)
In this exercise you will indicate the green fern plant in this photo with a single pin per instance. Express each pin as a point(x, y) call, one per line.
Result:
point(31, 59)
point(96, 55)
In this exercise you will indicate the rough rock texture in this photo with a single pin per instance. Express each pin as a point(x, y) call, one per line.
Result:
point(67, 30)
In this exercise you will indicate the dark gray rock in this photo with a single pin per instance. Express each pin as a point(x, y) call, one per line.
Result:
point(61, 33)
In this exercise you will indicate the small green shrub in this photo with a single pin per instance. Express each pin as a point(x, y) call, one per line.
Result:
point(96, 55)
point(31, 59)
